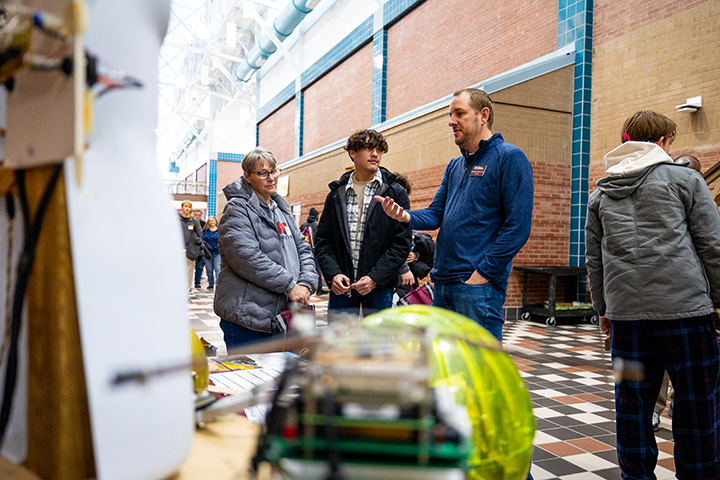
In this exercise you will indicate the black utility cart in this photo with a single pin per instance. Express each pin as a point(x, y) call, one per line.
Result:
point(551, 310)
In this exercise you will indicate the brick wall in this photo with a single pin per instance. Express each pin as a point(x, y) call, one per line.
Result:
point(421, 148)
point(340, 102)
point(277, 132)
point(615, 19)
point(656, 66)
point(444, 45)
point(227, 172)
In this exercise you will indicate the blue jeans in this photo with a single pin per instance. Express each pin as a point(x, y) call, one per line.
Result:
point(199, 264)
point(378, 299)
point(213, 269)
point(235, 335)
point(481, 303)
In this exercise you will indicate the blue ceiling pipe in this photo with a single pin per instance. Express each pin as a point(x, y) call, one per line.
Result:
point(284, 24)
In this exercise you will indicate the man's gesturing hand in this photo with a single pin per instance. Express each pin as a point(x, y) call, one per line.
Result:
point(365, 285)
point(392, 209)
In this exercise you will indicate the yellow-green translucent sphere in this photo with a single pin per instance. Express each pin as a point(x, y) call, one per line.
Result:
point(467, 359)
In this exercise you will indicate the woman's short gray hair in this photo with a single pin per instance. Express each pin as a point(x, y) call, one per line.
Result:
point(255, 156)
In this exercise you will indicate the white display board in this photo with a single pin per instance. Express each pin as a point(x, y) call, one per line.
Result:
point(128, 258)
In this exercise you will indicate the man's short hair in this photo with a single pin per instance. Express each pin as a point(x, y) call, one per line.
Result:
point(186, 202)
point(366, 139)
point(479, 100)
point(255, 156)
point(647, 126)
point(689, 161)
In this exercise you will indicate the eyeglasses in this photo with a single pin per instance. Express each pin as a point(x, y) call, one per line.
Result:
point(263, 174)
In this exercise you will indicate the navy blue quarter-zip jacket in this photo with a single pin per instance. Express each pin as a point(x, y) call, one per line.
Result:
point(483, 208)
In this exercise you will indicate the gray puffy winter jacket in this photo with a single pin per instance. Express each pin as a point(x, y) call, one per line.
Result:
point(253, 283)
point(653, 245)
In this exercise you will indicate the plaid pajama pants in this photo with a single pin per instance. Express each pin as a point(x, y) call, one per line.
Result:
point(688, 350)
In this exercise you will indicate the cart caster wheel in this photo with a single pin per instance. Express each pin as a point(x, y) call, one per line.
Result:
point(594, 320)
point(525, 316)
point(551, 321)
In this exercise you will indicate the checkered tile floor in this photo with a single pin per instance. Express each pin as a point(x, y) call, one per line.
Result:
point(569, 376)
point(570, 381)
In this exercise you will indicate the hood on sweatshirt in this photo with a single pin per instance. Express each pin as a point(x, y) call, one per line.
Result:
point(633, 157)
point(628, 165)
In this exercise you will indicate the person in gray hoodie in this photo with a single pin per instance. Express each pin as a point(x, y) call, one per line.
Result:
point(653, 260)
point(265, 261)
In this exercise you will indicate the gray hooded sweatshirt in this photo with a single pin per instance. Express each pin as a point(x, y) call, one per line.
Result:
point(652, 238)
point(254, 277)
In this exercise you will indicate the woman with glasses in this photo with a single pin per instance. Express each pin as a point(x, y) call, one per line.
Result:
point(265, 261)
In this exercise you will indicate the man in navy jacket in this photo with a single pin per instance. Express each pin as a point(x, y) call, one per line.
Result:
point(483, 209)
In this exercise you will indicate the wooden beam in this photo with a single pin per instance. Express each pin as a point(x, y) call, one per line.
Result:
point(59, 434)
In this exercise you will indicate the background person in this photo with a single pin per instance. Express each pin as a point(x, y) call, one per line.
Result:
point(689, 161)
point(212, 237)
point(666, 390)
point(201, 261)
point(311, 221)
point(653, 261)
point(192, 236)
point(405, 276)
point(311, 224)
point(265, 261)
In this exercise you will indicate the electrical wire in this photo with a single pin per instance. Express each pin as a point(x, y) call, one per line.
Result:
point(27, 258)
point(10, 206)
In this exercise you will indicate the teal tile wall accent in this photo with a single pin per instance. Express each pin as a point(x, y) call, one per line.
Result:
point(575, 18)
point(212, 189)
point(230, 157)
point(394, 10)
point(379, 78)
point(299, 122)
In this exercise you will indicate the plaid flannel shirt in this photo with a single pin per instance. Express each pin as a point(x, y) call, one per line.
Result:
point(356, 222)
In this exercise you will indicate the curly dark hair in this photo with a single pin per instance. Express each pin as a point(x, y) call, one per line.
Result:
point(366, 139)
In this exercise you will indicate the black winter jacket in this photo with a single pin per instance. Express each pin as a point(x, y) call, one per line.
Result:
point(192, 235)
point(386, 242)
